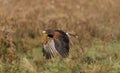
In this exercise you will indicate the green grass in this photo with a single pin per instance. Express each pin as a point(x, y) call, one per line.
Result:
point(106, 56)
point(98, 59)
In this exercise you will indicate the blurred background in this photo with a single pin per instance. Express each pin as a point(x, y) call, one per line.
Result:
point(96, 22)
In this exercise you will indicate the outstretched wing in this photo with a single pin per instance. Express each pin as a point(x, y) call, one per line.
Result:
point(55, 46)
point(49, 49)
point(62, 47)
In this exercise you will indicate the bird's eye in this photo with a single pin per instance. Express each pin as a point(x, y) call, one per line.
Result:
point(50, 35)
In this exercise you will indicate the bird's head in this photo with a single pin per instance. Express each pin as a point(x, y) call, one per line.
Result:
point(48, 33)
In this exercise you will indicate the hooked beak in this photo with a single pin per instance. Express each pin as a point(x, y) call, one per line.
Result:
point(44, 32)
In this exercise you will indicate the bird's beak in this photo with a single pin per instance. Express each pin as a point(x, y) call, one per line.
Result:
point(44, 35)
point(44, 32)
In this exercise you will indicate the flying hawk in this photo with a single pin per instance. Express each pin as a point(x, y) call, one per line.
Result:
point(56, 42)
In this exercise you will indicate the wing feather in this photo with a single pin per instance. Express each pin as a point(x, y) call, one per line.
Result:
point(62, 47)
point(58, 44)
point(49, 49)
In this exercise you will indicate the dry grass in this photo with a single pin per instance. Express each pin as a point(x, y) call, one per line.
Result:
point(94, 21)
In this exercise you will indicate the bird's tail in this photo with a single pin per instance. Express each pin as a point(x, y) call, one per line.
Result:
point(73, 35)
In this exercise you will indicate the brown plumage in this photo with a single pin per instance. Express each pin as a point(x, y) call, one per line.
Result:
point(56, 42)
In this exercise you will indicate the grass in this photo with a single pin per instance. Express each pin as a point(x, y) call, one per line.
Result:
point(105, 56)
point(98, 59)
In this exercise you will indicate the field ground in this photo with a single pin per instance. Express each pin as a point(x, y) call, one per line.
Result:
point(97, 59)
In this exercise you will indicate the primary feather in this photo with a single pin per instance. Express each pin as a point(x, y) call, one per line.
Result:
point(58, 43)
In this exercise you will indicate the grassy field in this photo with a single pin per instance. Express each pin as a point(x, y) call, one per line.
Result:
point(96, 22)
point(97, 59)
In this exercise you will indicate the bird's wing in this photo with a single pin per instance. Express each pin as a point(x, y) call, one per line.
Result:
point(55, 46)
point(49, 49)
point(62, 47)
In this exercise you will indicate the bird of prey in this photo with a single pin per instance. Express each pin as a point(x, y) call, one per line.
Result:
point(56, 42)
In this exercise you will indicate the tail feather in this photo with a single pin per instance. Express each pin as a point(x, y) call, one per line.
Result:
point(74, 35)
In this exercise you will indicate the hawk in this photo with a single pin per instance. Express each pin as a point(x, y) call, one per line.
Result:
point(56, 42)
